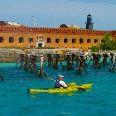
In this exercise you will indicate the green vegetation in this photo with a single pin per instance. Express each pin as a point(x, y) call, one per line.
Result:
point(95, 48)
point(106, 44)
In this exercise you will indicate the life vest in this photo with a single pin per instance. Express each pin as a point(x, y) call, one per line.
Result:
point(57, 84)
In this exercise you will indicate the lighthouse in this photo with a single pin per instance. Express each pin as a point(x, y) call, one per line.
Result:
point(89, 23)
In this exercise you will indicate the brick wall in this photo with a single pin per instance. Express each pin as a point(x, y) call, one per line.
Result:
point(41, 35)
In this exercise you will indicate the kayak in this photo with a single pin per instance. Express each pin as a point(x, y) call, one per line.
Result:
point(71, 88)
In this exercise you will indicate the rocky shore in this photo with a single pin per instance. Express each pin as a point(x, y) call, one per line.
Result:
point(12, 55)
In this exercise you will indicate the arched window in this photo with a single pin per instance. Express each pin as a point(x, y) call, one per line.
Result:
point(81, 40)
point(1, 39)
point(73, 40)
point(65, 40)
point(30, 40)
point(102, 40)
point(48, 40)
point(88, 40)
point(95, 41)
point(11, 40)
point(57, 40)
point(21, 40)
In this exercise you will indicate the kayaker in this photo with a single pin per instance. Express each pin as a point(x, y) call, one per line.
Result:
point(60, 82)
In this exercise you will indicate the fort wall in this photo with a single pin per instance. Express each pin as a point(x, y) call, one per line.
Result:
point(30, 37)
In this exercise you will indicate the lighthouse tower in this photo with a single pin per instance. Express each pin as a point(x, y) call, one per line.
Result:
point(89, 23)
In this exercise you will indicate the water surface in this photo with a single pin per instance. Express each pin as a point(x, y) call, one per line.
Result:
point(15, 100)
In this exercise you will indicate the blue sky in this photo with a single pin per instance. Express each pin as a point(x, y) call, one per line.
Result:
point(55, 12)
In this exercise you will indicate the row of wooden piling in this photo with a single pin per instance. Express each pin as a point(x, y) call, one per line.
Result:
point(67, 61)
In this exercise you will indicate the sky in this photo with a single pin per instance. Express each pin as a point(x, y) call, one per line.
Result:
point(52, 13)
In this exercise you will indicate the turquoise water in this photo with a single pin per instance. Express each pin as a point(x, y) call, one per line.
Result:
point(15, 101)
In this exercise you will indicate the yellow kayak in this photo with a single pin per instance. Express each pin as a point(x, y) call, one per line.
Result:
point(72, 88)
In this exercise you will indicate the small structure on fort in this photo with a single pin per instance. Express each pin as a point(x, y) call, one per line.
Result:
point(11, 23)
point(69, 26)
point(89, 23)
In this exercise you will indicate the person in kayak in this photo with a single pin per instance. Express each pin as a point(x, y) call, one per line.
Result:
point(60, 82)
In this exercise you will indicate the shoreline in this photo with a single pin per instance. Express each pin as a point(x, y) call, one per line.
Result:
point(11, 55)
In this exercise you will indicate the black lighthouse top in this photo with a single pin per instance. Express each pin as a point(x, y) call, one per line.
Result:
point(89, 23)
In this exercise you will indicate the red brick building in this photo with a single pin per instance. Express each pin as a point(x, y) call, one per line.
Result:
point(15, 35)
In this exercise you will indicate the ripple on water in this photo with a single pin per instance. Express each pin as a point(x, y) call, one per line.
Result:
point(15, 100)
